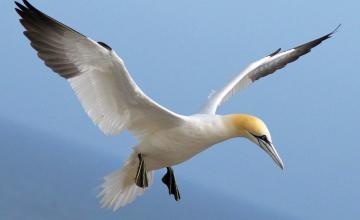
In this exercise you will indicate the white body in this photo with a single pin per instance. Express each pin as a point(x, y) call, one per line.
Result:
point(115, 103)
point(169, 147)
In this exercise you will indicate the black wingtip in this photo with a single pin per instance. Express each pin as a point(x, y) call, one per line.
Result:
point(275, 52)
point(335, 30)
point(20, 6)
point(104, 45)
point(28, 4)
point(21, 9)
point(20, 12)
point(25, 7)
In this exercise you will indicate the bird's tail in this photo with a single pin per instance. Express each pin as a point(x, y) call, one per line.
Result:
point(119, 188)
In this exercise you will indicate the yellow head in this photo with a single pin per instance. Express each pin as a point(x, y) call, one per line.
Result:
point(256, 131)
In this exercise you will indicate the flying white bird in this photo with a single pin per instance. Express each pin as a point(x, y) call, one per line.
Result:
point(115, 103)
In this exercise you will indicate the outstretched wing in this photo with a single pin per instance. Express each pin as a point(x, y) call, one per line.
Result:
point(97, 75)
point(259, 69)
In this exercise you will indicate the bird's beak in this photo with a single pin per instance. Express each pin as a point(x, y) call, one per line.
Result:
point(269, 148)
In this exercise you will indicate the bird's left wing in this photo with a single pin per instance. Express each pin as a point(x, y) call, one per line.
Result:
point(259, 69)
point(97, 75)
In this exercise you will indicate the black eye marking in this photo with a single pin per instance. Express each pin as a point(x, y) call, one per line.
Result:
point(264, 138)
point(261, 137)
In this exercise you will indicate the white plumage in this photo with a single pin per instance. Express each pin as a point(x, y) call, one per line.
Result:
point(114, 102)
point(119, 189)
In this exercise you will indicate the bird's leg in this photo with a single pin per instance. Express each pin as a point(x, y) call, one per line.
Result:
point(169, 180)
point(141, 179)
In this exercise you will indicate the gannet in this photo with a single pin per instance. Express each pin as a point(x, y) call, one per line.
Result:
point(115, 103)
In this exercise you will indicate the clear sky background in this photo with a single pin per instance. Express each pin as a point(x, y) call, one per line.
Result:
point(53, 157)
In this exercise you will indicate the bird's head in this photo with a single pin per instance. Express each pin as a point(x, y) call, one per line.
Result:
point(256, 131)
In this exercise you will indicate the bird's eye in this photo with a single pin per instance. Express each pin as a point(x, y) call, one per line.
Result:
point(262, 137)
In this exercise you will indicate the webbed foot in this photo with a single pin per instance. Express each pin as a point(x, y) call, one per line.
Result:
point(169, 180)
point(141, 179)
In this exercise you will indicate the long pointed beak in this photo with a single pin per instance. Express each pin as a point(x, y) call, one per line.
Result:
point(269, 148)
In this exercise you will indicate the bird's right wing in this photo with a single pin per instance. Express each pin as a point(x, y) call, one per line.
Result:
point(259, 69)
point(97, 75)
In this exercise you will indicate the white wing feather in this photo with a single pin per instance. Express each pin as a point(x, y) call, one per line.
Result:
point(259, 69)
point(97, 75)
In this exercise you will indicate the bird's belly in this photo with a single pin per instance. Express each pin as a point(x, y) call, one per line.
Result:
point(172, 147)
point(169, 155)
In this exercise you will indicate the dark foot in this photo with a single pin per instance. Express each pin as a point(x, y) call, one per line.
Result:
point(169, 180)
point(141, 179)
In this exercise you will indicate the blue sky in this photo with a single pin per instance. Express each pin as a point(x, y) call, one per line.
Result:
point(178, 52)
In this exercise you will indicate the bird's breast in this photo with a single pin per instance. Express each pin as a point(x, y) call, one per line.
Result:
point(178, 144)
